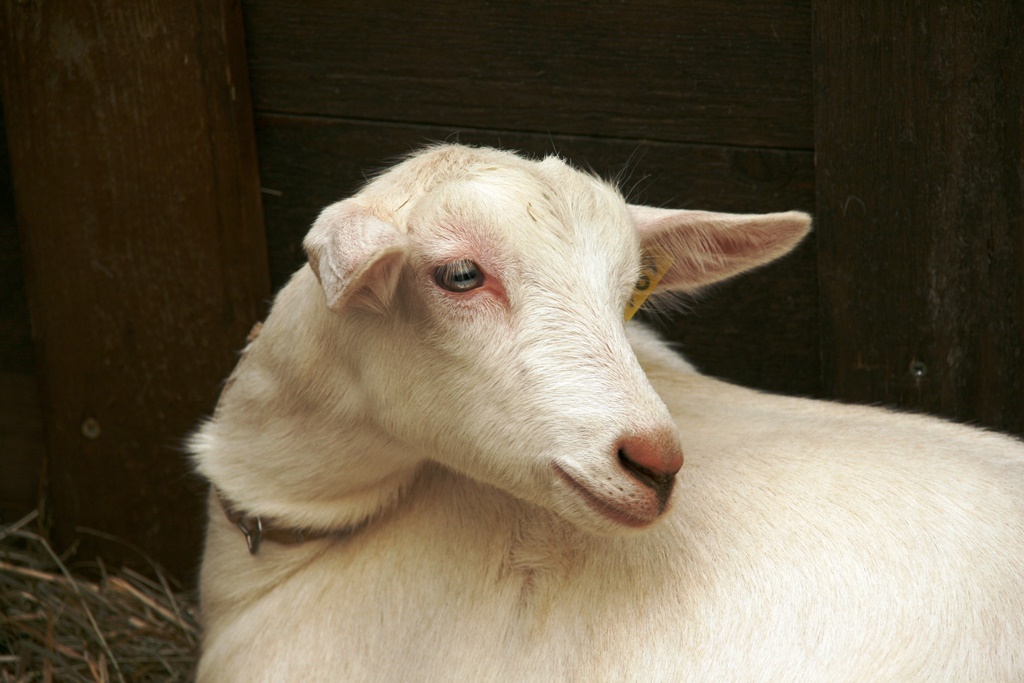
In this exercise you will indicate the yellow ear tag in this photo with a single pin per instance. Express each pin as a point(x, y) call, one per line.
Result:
point(653, 266)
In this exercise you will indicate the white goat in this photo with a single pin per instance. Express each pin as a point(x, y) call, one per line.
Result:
point(460, 461)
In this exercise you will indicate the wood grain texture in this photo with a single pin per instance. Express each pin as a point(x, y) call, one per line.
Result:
point(759, 330)
point(137, 191)
point(919, 146)
point(697, 71)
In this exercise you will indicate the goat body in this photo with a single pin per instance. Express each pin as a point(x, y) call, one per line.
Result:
point(483, 458)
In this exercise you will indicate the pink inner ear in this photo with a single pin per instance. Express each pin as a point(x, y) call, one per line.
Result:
point(709, 247)
point(356, 256)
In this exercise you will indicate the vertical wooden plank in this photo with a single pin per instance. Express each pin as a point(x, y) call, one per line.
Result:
point(21, 421)
point(918, 139)
point(137, 191)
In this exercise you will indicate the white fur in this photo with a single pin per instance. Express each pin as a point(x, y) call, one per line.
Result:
point(434, 433)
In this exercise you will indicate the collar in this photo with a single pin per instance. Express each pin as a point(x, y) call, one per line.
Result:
point(256, 529)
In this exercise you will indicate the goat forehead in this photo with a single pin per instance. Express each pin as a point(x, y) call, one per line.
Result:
point(524, 208)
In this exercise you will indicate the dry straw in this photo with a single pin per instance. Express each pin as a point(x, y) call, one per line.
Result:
point(58, 626)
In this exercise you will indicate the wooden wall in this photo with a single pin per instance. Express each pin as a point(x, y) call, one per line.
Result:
point(133, 168)
point(919, 122)
point(898, 127)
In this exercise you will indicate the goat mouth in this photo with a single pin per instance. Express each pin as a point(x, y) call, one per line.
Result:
point(601, 505)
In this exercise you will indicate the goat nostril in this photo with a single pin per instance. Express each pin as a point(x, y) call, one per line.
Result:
point(645, 476)
point(656, 454)
point(660, 484)
point(653, 462)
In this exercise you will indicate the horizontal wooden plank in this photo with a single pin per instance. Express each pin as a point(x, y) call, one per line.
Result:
point(138, 208)
point(920, 148)
point(759, 330)
point(696, 71)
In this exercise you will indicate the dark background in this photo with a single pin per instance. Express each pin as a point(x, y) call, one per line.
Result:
point(163, 161)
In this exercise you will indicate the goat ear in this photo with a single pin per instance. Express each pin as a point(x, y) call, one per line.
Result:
point(356, 256)
point(707, 247)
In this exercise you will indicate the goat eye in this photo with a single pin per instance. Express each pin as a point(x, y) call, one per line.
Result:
point(459, 276)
